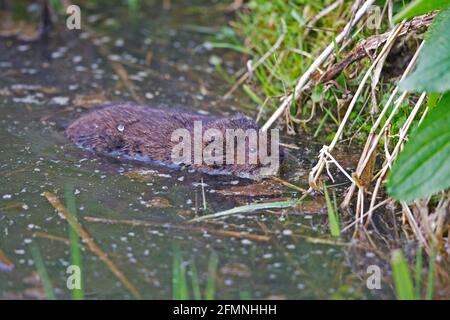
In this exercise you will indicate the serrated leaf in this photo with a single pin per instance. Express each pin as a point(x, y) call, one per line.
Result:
point(432, 73)
point(423, 167)
point(419, 7)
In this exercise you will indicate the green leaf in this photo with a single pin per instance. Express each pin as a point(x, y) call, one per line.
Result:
point(432, 73)
point(423, 167)
point(333, 216)
point(402, 278)
point(419, 7)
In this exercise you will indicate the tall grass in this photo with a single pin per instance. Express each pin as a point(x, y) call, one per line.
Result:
point(196, 290)
point(180, 287)
point(419, 266)
point(333, 213)
point(211, 280)
point(403, 281)
point(74, 242)
point(42, 270)
point(402, 278)
point(179, 283)
point(431, 271)
point(134, 5)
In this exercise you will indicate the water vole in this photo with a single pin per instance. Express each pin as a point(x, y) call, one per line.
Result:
point(146, 133)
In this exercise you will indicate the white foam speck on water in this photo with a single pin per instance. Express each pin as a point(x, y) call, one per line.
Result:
point(7, 196)
point(228, 282)
point(119, 42)
point(5, 64)
point(199, 184)
point(214, 60)
point(23, 48)
point(61, 101)
point(77, 59)
point(31, 99)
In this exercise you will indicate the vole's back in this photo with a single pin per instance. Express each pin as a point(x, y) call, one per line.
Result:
point(144, 132)
point(130, 129)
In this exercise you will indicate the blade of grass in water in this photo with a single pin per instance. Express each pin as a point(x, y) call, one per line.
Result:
point(179, 285)
point(74, 240)
point(333, 218)
point(245, 295)
point(211, 281)
point(222, 45)
point(89, 241)
point(431, 270)
point(42, 270)
point(419, 266)
point(402, 278)
point(248, 208)
point(56, 5)
point(134, 5)
point(195, 283)
point(319, 127)
point(252, 95)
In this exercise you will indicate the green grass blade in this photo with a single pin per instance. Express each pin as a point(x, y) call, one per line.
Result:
point(74, 241)
point(179, 284)
point(42, 270)
point(245, 295)
point(402, 278)
point(252, 95)
point(247, 208)
point(134, 5)
point(418, 7)
point(333, 217)
point(211, 281)
point(419, 266)
point(56, 5)
point(194, 281)
point(431, 271)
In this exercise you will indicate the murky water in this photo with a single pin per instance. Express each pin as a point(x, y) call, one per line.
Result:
point(260, 255)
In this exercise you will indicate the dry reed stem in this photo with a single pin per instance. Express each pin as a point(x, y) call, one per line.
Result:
point(325, 12)
point(201, 230)
point(373, 43)
point(318, 168)
point(373, 138)
point(313, 67)
point(390, 159)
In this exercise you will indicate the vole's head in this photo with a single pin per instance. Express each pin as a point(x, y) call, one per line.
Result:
point(247, 151)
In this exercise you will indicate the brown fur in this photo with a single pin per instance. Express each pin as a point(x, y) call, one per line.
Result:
point(147, 133)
